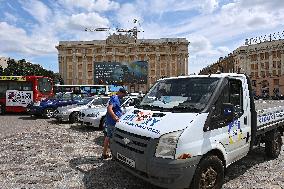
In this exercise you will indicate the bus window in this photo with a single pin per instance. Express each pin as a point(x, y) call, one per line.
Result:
point(3, 88)
point(27, 86)
point(14, 85)
point(44, 85)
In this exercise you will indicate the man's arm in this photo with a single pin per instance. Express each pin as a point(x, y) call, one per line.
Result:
point(111, 113)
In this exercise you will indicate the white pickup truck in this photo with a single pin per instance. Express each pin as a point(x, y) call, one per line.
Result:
point(188, 130)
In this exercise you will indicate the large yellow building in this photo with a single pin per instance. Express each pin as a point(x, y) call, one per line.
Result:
point(262, 62)
point(166, 57)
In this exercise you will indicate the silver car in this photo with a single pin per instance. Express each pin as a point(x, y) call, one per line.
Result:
point(71, 113)
point(95, 117)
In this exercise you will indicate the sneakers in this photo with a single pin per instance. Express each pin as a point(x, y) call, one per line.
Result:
point(107, 156)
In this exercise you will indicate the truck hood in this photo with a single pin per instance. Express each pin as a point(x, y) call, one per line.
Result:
point(153, 123)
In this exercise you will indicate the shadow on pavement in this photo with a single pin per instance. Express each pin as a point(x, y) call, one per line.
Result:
point(82, 128)
point(256, 156)
point(31, 118)
point(106, 174)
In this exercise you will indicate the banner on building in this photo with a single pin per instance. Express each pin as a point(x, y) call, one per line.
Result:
point(12, 78)
point(121, 72)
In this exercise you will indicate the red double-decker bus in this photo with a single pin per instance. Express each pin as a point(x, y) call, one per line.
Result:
point(16, 92)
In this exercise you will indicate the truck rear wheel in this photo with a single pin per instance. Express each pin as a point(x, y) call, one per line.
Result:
point(273, 144)
point(208, 174)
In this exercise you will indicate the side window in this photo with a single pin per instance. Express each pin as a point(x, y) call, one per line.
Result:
point(27, 86)
point(232, 93)
point(236, 97)
point(14, 85)
point(3, 88)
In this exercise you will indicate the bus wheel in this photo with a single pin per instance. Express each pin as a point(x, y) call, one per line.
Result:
point(2, 109)
point(48, 112)
point(273, 144)
point(74, 117)
point(209, 173)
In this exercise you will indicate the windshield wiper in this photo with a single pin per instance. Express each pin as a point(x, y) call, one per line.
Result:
point(151, 107)
point(189, 108)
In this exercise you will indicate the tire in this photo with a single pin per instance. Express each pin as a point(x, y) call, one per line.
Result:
point(48, 113)
point(101, 126)
point(273, 144)
point(2, 109)
point(209, 174)
point(74, 117)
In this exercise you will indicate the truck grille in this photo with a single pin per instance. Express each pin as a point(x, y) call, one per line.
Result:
point(131, 141)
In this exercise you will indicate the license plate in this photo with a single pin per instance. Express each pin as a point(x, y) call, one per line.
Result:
point(126, 160)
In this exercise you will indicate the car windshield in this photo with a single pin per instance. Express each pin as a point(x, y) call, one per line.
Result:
point(100, 101)
point(85, 101)
point(183, 94)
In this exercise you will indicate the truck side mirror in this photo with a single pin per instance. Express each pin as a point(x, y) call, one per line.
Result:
point(228, 111)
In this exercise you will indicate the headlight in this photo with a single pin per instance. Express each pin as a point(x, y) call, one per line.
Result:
point(37, 103)
point(166, 147)
point(93, 114)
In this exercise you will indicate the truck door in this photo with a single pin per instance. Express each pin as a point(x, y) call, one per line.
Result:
point(233, 134)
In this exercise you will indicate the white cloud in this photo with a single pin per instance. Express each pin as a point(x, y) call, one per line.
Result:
point(90, 5)
point(10, 17)
point(37, 9)
point(27, 45)
point(82, 20)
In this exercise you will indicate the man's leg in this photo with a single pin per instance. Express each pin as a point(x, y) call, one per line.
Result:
point(106, 145)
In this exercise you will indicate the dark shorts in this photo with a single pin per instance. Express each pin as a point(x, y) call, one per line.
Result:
point(108, 130)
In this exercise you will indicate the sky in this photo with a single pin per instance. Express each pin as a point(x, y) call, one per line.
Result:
point(30, 29)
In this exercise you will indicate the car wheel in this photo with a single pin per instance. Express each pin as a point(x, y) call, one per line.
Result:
point(102, 122)
point(74, 117)
point(208, 174)
point(2, 109)
point(48, 112)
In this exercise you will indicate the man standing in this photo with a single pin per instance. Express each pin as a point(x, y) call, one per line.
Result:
point(114, 112)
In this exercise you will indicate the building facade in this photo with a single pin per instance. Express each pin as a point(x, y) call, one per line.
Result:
point(79, 60)
point(263, 63)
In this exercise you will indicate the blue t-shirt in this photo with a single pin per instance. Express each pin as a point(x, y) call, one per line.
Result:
point(115, 102)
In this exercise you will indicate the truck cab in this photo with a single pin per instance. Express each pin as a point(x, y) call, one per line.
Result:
point(187, 130)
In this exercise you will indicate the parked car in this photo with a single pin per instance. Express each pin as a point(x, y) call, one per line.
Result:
point(71, 112)
point(47, 107)
point(95, 117)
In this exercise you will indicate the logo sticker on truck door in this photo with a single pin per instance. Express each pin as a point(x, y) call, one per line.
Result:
point(235, 132)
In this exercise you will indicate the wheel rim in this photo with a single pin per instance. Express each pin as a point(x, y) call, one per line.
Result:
point(208, 178)
point(49, 113)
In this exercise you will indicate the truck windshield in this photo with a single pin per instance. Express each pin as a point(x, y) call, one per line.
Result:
point(180, 95)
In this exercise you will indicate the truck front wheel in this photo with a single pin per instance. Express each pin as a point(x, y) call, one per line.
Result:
point(273, 144)
point(208, 174)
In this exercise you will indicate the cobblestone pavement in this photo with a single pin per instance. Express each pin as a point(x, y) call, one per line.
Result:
point(43, 154)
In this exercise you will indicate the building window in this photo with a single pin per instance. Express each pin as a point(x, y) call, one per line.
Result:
point(276, 81)
point(274, 55)
point(274, 72)
point(266, 65)
point(266, 56)
point(278, 54)
point(253, 83)
point(262, 56)
point(274, 64)
point(70, 67)
point(279, 64)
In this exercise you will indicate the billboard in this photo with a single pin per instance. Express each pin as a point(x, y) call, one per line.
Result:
point(121, 72)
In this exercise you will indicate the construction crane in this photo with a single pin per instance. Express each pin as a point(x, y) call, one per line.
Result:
point(134, 30)
point(97, 29)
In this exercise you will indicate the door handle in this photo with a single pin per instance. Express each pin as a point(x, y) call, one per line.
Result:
point(245, 120)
